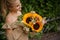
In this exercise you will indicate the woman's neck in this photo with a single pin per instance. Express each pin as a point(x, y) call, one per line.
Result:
point(17, 13)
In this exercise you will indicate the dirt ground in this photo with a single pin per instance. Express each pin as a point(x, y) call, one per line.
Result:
point(49, 36)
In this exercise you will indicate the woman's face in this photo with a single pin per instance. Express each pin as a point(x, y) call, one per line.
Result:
point(15, 8)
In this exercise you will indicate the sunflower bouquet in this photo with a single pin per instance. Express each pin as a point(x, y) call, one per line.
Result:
point(33, 21)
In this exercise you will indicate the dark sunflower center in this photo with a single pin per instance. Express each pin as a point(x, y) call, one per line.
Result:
point(36, 26)
point(29, 19)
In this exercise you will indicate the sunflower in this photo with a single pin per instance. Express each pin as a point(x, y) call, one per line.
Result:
point(27, 18)
point(37, 27)
point(33, 20)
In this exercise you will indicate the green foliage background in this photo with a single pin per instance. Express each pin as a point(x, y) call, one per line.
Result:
point(45, 8)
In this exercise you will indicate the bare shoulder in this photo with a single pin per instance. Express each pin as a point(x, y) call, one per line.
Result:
point(11, 18)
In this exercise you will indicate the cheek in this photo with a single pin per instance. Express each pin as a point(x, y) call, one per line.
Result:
point(13, 9)
point(18, 8)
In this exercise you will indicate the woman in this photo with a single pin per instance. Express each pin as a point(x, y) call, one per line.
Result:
point(14, 31)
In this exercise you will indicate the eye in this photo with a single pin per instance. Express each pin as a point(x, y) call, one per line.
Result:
point(36, 26)
point(29, 19)
point(17, 5)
